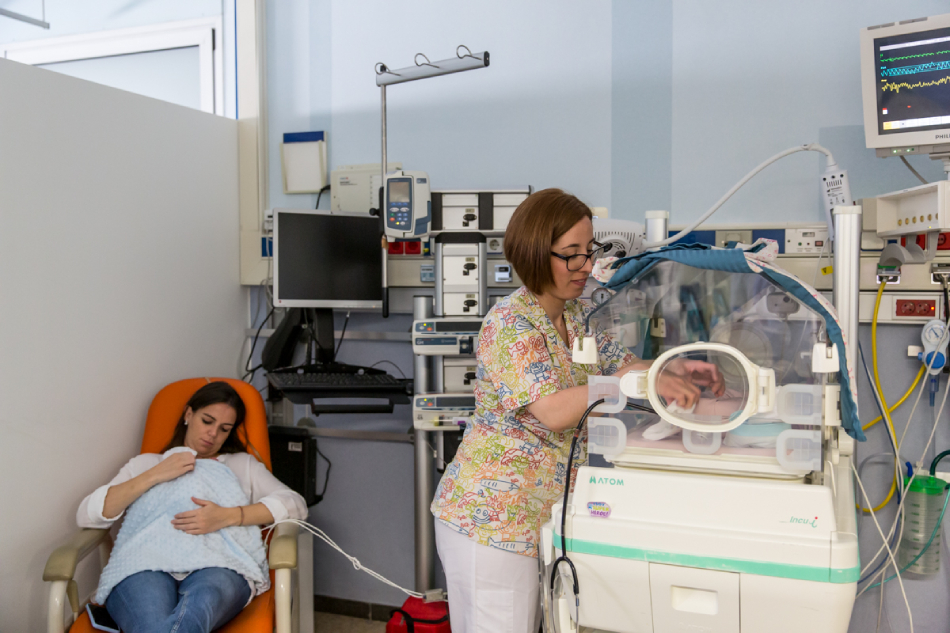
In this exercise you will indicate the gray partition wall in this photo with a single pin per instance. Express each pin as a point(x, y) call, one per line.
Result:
point(119, 252)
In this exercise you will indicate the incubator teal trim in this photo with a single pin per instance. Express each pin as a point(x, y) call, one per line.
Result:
point(757, 568)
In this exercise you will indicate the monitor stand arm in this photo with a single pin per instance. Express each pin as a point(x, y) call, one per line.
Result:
point(322, 320)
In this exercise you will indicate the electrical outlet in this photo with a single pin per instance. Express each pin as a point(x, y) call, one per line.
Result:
point(915, 307)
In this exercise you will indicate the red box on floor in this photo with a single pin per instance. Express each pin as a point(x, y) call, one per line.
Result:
point(418, 616)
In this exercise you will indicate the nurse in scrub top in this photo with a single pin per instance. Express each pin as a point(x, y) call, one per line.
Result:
point(510, 467)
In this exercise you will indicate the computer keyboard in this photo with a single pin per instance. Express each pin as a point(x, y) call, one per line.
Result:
point(325, 381)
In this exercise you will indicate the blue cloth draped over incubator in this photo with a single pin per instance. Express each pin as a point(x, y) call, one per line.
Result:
point(689, 293)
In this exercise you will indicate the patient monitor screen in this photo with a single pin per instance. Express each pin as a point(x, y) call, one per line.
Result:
point(913, 81)
point(328, 258)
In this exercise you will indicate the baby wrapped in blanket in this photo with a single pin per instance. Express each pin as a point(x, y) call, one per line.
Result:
point(148, 541)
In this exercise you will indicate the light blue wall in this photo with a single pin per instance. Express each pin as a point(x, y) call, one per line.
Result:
point(753, 78)
point(642, 107)
point(539, 115)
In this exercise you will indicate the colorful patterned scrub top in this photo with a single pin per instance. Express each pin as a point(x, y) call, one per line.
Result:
point(509, 469)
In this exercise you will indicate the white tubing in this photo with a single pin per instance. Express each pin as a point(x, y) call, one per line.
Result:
point(353, 561)
point(809, 147)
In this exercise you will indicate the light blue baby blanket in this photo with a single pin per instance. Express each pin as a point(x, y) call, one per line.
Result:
point(147, 541)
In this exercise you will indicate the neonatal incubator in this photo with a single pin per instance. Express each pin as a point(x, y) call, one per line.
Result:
point(732, 513)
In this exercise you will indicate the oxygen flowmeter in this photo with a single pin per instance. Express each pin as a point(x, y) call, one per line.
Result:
point(931, 338)
point(407, 204)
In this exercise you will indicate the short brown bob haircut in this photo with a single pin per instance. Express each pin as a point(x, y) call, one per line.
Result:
point(536, 224)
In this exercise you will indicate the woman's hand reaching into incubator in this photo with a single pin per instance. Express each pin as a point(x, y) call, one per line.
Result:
point(682, 381)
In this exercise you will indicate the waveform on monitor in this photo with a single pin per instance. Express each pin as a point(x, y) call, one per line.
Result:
point(913, 70)
point(897, 87)
point(897, 59)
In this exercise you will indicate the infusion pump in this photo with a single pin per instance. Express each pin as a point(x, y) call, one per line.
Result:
point(443, 411)
point(407, 204)
point(447, 336)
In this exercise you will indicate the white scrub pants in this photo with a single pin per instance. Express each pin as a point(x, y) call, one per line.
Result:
point(490, 590)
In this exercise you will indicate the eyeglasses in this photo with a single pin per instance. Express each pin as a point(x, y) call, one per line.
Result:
point(576, 262)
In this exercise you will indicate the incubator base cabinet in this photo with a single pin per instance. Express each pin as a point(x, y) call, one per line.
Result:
point(677, 552)
point(733, 512)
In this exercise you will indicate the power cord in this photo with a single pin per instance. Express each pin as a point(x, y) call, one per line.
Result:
point(563, 558)
point(319, 194)
point(913, 475)
point(640, 407)
point(248, 371)
point(326, 475)
point(320, 534)
point(389, 362)
point(890, 552)
point(342, 334)
point(810, 147)
point(912, 170)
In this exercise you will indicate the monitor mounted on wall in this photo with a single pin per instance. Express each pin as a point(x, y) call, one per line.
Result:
point(905, 85)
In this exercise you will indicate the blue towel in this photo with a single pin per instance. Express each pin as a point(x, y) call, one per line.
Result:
point(147, 540)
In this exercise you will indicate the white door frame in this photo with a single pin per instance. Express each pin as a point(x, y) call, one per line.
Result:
point(205, 33)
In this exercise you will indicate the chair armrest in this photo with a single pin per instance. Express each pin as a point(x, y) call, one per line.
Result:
point(283, 547)
point(61, 564)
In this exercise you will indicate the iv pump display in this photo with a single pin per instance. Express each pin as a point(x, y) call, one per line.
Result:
point(407, 205)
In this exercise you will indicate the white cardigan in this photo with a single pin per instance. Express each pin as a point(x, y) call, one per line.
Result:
point(257, 482)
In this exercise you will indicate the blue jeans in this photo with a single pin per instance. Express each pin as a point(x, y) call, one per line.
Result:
point(154, 602)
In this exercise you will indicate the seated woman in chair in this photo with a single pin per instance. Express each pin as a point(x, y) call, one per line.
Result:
point(182, 560)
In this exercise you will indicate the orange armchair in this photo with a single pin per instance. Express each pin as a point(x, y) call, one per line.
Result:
point(276, 610)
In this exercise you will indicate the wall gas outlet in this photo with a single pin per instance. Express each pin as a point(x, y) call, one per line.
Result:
point(807, 240)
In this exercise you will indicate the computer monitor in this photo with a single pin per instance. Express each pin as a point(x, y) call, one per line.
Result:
point(905, 85)
point(324, 260)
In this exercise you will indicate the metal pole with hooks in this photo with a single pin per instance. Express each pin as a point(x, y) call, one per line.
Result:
point(382, 93)
point(424, 489)
point(464, 60)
